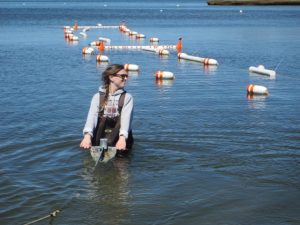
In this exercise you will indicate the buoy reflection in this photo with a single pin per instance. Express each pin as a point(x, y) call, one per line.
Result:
point(164, 82)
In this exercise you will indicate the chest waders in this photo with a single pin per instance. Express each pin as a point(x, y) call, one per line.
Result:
point(110, 127)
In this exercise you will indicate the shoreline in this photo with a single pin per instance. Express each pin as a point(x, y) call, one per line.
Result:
point(253, 2)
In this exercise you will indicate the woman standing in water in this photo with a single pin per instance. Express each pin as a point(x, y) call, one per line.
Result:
point(110, 113)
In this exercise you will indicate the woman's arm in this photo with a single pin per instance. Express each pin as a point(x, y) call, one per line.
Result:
point(126, 119)
point(91, 122)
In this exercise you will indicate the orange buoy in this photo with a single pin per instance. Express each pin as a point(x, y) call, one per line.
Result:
point(101, 46)
point(102, 58)
point(179, 45)
point(257, 89)
point(76, 25)
point(131, 67)
point(164, 75)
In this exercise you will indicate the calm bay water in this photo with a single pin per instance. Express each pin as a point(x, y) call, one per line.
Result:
point(204, 152)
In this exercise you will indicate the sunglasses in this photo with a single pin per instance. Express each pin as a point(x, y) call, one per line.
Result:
point(122, 76)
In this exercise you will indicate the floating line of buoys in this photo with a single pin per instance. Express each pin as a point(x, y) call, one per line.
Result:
point(257, 89)
point(102, 58)
point(164, 75)
point(88, 51)
point(98, 27)
point(139, 46)
point(262, 70)
point(205, 61)
point(131, 67)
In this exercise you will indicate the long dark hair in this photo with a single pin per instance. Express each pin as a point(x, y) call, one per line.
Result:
point(111, 70)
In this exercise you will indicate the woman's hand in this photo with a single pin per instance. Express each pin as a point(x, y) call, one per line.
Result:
point(86, 142)
point(121, 143)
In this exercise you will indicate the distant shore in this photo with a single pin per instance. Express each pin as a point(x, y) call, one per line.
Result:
point(253, 2)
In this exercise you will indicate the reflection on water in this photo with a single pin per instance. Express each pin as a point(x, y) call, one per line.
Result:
point(102, 65)
point(256, 101)
point(164, 82)
point(133, 73)
point(210, 69)
point(262, 76)
point(108, 185)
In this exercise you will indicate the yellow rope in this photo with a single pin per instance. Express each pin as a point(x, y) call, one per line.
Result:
point(53, 214)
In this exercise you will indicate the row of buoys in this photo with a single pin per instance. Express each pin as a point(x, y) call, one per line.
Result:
point(161, 50)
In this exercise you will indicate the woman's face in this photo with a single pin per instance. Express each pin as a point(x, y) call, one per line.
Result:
point(119, 79)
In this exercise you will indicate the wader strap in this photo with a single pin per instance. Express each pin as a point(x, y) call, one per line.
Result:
point(121, 102)
point(101, 103)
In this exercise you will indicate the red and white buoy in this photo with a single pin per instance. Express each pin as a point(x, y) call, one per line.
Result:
point(131, 67)
point(72, 37)
point(88, 51)
point(262, 70)
point(164, 75)
point(102, 58)
point(154, 39)
point(140, 36)
point(257, 89)
point(205, 61)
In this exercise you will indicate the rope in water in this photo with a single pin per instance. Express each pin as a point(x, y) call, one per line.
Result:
point(53, 214)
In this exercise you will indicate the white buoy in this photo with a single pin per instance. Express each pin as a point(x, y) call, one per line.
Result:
point(140, 36)
point(162, 51)
point(99, 24)
point(106, 40)
point(205, 61)
point(102, 58)
point(154, 39)
point(68, 31)
point(126, 30)
point(133, 33)
point(257, 89)
point(261, 70)
point(164, 75)
point(148, 48)
point(131, 67)
point(83, 34)
point(88, 51)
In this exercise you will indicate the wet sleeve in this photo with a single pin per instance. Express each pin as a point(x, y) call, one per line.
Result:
point(126, 115)
point(92, 118)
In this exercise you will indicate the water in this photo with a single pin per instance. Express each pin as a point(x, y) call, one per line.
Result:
point(204, 152)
